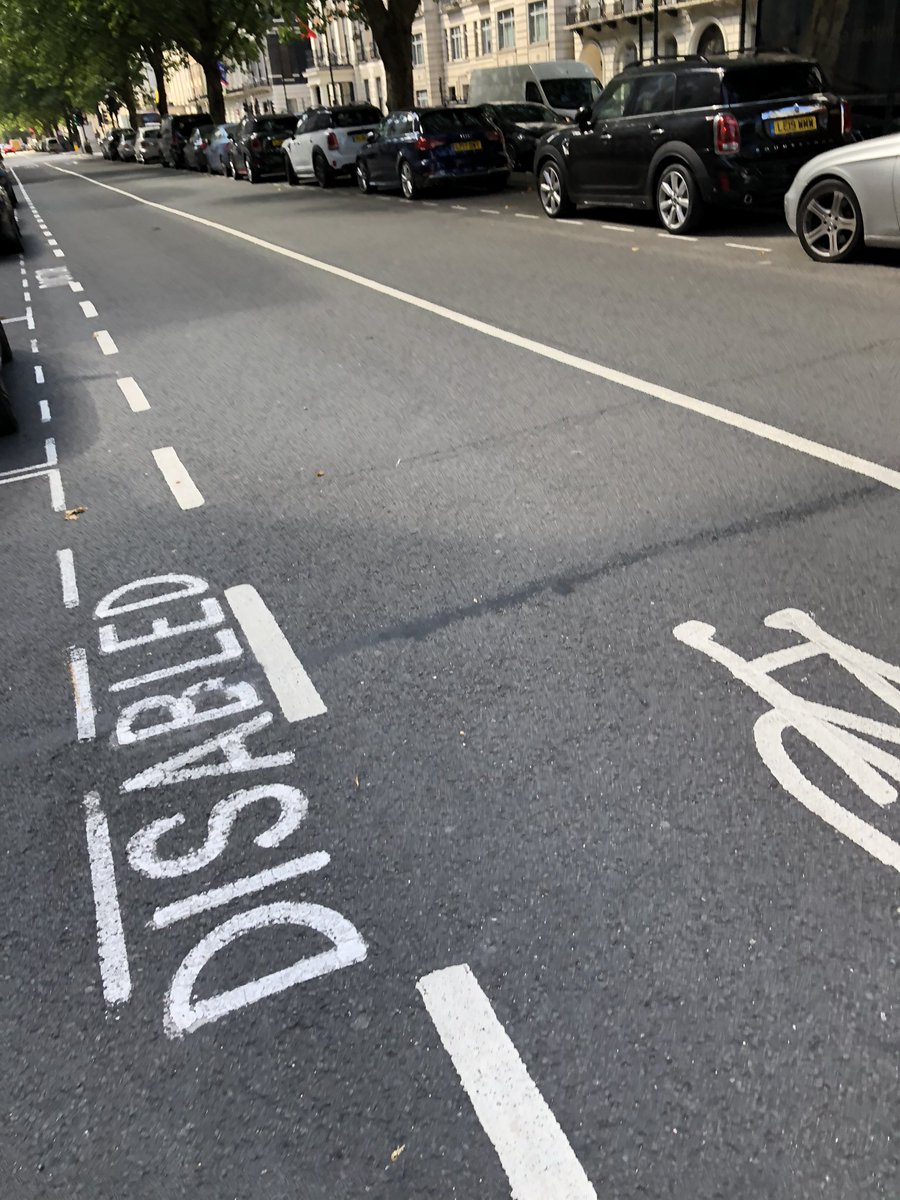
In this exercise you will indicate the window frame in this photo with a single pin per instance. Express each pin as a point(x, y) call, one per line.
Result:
point(538, 10)
point(506, 28)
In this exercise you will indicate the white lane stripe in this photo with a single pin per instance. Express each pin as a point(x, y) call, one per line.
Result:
point(113, 953)
point(491, 212)
point(24, 283)
point(132, 392)
point(45, 411)
point(29, 318)
point(715, 412)
point(173, 471)
point(294, 690)
point(460, 207)
point(569, 221)
point(59, 253)
point(81, 688)
point(34, 346)
point(38, 374)
point(75, 286)
point(52, 240)
point(105, 342)
point(619, 228)
point(67, 576)
point(744, 246)
point(533, 1150)
point(216, 897)
point(57, 495)
point(12, 320)
point(678, 237)
point(87, 308)
point(527, 216)
point(28, 297)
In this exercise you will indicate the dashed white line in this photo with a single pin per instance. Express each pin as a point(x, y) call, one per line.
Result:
point(294, 690)
point(45, 411)
point(66, 561)
point(28, 297)
point(38, 374)
point(34, 346)
point(114, 972)
point(132, 392)
point(533, 1150)
point(491, 212)
point(75, 286)
point(105, 342)
point(59, 253)
point(678, 237)
point(460, 207)
point(29, 318)
point(182, 486)
point(81, 688)
point(87, 308)
point(744, 246)
point(527, 216)
point(25, 284)
point(569, 221)
point(619, 228)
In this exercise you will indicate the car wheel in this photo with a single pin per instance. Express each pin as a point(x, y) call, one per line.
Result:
point(555, 199)
point(679, 204)
point(8, 422)
point(6, 353)
point(409, 186)
point(290, 172)
point(363, 179)
point(252, 173)
point(322, 171)
point(829, 222)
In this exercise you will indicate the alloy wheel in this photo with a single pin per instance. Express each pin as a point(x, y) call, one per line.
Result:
point(550, 188)
point(407, 183)
point(829, 225)
point(674, 199)
point(362, 177)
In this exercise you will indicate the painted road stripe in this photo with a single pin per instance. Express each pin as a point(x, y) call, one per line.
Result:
point(29, 318)
point(183, 487)
point(677, 237)
point(527, 216)
point(715, 412)
point(533, 1150)
point(114, 971)
point(38, 374)
point(105, 342)
point(28, 297)
point(67, 576)
point(619, 228)
point(76, 287)
point(460, 207)
point(744, 246)
point(45, 411)
point(216, 897)
point(87, 308)
point(34, 346)
point(81, 688)
point(491, 212)
point(59, 254)
point(132, 392)
point(294, 690)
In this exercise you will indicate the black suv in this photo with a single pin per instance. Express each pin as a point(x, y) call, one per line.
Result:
point(255, 150)
point(174, 132)
point(680, 134)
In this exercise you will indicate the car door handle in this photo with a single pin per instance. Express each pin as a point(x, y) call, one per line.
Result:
point(657, 132)
point(605, 137)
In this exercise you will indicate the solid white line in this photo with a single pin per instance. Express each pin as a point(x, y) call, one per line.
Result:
point(527, 216)
point(294, 690)
point(619, 228)
point(38, 374)
point(59, 253)
point(67, 576)
point(76, 287)
point(132, 392)
point(45, 411)
point(13, 320)
point(183, 487)
point(533, 1150)
point(715, 412)
point(87, 308)
point(113, 952)
point(743, 246)
point(105, 342)
point(81, 688)
point(216, 897)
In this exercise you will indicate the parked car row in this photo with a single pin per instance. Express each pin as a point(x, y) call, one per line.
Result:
point(678, 137)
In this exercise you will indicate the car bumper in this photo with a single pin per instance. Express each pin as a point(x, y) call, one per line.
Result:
point(762, 186)
point(433, 173)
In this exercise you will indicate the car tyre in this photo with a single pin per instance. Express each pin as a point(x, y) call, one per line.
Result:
point(322, 171)
point(679, 205)
point(252, 173)
point(409, 185)
point(6, 354)
point(829, 221)
point(554, 195)
point(8, 422)
point(363, 178)
point(289, 171)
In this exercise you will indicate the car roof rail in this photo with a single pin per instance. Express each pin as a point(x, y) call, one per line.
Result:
point(669, 58)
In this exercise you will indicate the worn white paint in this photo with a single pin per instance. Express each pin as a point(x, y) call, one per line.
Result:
point(176, 476)
point(76, 287)
point(38, 374)
point(87, 308)
point(34, 346)
point(161, 630)
point(185, 585)
point(44, 408)
point(533, 1150)
point(294, 690)
point(59, 253)
point(85, 714)
point(114, 972)
point(105, 342)
point(66, 561)
point(182, 711)
point(229, 650)
point(132, 392)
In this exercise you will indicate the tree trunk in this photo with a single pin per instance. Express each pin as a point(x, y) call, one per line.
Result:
point(157, 61)
point(128, 96)
point(214, 94)
point(392, 30)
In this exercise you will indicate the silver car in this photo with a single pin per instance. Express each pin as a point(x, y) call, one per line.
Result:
point(146, 146)
point(846, 197)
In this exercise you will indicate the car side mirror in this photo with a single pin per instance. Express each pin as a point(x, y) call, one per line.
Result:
point(583, 118)
point(372, 136)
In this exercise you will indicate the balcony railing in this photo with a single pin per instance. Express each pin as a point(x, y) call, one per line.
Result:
point(592, 11)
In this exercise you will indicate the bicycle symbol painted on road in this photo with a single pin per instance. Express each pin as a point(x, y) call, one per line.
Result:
point(834, 731)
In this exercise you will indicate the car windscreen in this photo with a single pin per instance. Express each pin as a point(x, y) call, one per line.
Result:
point(773, 81)
point(570, 93)
point(526, 114)
point(343, 118)
point(449, 120)
point(149, 134)
point(275, 124)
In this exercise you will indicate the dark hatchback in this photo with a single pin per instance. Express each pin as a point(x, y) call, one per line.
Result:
point(419, 148)
point(522, 125)
point(677, 136)
point(256, 149)
point(174, 132)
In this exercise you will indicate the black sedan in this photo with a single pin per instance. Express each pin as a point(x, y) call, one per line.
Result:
point(420, 148)
point(523, 125)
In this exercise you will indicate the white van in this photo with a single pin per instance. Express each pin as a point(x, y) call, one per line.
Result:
point(563, 85)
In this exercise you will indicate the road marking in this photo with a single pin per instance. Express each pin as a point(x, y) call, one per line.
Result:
point(87, 308)
point(28, 297)
point(45, 411)
point(182, 486)
point(294, 690)
point(29, 318)
point(81, 688)
point(677, 237)
point(491, 212)
point(569, 221)
point(34, 346)
point(38, 374)
point(76, 287)
point(105, 342)
point(25, 283)
point(715, 412)
point(619, 228)
point(216, 897)
point(526, 216)
point(460, 207)
point(132, 392)
point(67, 576)
point(113, 953)
point(59, 253)
point(533, 1150)
point(52, 241)
point(744, 246)
point(12, 320)
point(429, 203)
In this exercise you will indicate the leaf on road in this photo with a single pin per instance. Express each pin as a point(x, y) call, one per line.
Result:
point(319, 474)
point(72, 514)
point(395, 1154)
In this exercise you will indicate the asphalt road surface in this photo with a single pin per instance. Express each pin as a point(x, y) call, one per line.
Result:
point(451, 707)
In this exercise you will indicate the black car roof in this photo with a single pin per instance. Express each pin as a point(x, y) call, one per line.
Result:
point(719, 62)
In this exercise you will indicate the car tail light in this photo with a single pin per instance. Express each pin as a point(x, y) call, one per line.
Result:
point(255, 142)
point(846, 117)
point(727, 133)
point(427, 143)
point(493, 135)
point(332, 141)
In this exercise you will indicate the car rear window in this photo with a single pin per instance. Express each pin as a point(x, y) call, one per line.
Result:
point(526, 113)
point(275, 124)
point(698, 89)
point(773, 81)
point(343, 118)
point(449, 120)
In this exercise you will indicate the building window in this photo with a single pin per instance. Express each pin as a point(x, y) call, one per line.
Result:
point(475, 37)
point(506, 29)
point(422, 98)
point(537, 22)
point(378, 92)
point(368, 91)
point(456, 43)
point(487, 36)
point(712, 40)
point(669, 46)
point(418, 50)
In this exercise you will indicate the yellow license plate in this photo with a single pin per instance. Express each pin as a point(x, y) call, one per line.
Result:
point(795, 125)
point(276, 141)
point(467, 145)
point(358, 137)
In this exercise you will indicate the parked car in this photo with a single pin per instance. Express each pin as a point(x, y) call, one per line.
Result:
point(51, 145)
point(256, 150)
point(6, 182)
point(846, 197)
point(8, 422)
point(564, 85)
point(10, 238)
point(195, 148)
point(174, 132)
point(218, 147)
point(523, 126)
point(126, 145)
point(678, 136)
point(146, 146)
point(107, 143)
point(418, 148)
point(326, 142)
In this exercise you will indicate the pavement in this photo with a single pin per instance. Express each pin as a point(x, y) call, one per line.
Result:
point(533, 587)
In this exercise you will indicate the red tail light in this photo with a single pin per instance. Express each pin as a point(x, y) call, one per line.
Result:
point(727, 133)
point(493, 135)
point(255, 142)
point(332, 141)
point(846, 117)
point(427, 143)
